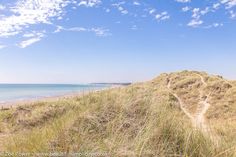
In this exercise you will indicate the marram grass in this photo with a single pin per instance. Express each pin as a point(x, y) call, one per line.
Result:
point(138, 120)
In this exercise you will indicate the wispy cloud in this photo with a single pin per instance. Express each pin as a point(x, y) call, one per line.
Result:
point(216, 6)
point(2, 7)
point(136, 3)
point(185, 9)
point(162, 16)
point(101, 32)
point(28, 42)
point(229, 3)
point(2, 46)
point(20, 18)
point(232, 14)
point(24, 15)
point(108, 10)
point(120, 7)
point(33, 37)
point(183, 1)
point(214, 25)
point(30, 12)
point(196, 15)
point(151, 11)
point(195, 22)
point(89, 3)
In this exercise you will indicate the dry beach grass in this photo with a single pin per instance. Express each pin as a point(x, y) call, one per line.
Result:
point(143, 119)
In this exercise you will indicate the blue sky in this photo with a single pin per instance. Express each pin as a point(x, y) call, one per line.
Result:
point(81, 41)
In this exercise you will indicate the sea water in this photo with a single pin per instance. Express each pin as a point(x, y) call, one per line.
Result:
point(15, 92)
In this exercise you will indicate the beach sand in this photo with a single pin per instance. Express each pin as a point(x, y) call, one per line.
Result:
point(16, 103)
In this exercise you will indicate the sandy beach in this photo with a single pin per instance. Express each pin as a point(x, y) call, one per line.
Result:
point(16, 103)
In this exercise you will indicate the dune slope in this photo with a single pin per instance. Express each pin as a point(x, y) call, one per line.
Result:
point(187, 113)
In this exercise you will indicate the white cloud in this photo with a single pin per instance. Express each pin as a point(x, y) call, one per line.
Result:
point(77, 29)
point(183, 1)
point(229, 3)
point(120, 7)
point(216, 6)
point(23, 15)
point(34, 34)
point(214, 25)
point(196, 15)
point(152, 11)
point(101, 32)
point(162, 16)
point(185, 9)
point(2, 46)
point(232, 14)
point(33, 38)
point(28, 35)
point(205, 11)
point(59, 29)
point(136, 3)
point(30, 12)
point(122, 10)
point(28, 42)
point(217, 24)
point(195, 23)
point(2, 7)
point(89, 3)
point(108, 10)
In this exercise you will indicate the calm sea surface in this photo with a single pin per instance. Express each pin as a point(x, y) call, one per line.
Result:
point(14, 92)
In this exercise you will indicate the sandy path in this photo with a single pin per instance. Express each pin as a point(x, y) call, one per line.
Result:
point(191, 117)
point(198, 119)
point(203, 106)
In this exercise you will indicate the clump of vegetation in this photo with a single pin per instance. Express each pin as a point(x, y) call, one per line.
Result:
point(143, 119)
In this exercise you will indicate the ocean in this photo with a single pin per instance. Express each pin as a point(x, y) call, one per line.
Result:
point(15, 92)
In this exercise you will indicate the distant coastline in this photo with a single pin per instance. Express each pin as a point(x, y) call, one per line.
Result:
point(13, 103)
point(122, 84)
point(11, 93)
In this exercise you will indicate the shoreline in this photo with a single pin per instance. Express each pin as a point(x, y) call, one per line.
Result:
point(16, 103)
